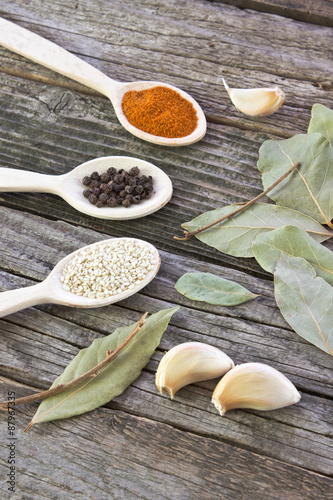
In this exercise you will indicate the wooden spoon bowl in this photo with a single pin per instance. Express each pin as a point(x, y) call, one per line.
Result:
point(51, 290)
point(50, 55)
point(69, 186)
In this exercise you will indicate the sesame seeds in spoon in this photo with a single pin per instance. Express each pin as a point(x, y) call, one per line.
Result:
point(94, 276)
point(69, 186)
point(50, 55)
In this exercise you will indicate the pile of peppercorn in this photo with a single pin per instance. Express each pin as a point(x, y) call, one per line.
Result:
point(114, 188)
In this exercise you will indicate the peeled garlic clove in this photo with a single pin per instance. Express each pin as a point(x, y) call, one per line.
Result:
point(188, 363)
point(256, 102)
point(254, 385)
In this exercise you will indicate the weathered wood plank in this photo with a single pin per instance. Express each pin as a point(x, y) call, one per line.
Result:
point(220, 169)
point(313, 11)
point(194, 49)
point(110, 454)
point(256, 324)
point(38, 344)
point(50, 124)
point(292, 435)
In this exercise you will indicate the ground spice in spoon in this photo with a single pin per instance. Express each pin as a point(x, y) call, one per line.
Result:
point(160, 111)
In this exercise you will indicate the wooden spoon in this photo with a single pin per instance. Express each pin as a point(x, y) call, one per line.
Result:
point(51, 291)
point(69, 186)
point(48, 54)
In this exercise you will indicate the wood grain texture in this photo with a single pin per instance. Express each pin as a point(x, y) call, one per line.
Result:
point(220, 169)
point(142, 444)
point(193, 51)
point(313, 11)
point(32, 356)
point(100, 462)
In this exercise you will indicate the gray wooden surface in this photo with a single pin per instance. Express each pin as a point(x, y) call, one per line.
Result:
point(141, 444)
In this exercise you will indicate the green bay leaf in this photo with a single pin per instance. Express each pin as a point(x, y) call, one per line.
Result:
point(309, 187)
point(207, 287)
point(322, 121)
point(113, 379)
point(235, 236)
point(305, 301)
point(292, 241)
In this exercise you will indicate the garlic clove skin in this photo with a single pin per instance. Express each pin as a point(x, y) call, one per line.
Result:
point(254, 385)
point(256, 102)
point(188, 363)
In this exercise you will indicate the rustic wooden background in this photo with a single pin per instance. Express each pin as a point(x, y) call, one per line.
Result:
point(142, 445)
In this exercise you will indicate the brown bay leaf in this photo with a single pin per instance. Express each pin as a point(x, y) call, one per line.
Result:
point(207, 287)
point(309, 188)
point(235, 236)
point(321, 121)
point(113, 379)
point(293, 242)
point(305, 301)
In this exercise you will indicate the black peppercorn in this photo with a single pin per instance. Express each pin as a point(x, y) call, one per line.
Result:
point(134, 171)
point(103, 198)
point(93, 199)
point(131, 181)
point(111, 171)
point(86, 181)
point(95, 176)
point(105, 177)
point(126, 203)
point(86, 193)
point(94, 184)
point(113, 188)
point(112, 202)
point(118, 178)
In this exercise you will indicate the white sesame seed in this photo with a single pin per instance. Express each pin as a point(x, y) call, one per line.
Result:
point(108, 269)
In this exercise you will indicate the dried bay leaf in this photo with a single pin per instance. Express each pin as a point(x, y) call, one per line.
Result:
point(305, 301)
point(309, 188)
point(321, 121)
point(213, 289)
point(114, 378)
point(235, 236)
point(293, 242)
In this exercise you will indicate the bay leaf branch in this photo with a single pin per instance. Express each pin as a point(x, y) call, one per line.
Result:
point(110, 356)
point(243, 207)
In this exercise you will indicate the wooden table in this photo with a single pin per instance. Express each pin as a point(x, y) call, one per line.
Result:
point(142, 444)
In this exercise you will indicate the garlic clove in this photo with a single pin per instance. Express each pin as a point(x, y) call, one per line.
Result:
point(254, 385)
point(256, 102)
point(188, 363)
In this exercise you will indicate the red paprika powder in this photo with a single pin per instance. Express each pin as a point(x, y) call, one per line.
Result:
point(160, 111)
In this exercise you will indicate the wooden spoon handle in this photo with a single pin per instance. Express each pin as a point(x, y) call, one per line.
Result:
point(15, 300)
point(12, 179)
point(48, 54)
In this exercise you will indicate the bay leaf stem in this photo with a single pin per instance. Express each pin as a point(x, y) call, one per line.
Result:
point(110, 356)
point(243, 206)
